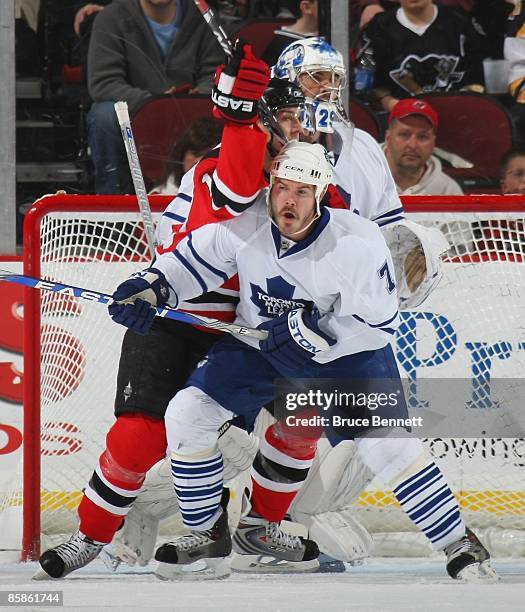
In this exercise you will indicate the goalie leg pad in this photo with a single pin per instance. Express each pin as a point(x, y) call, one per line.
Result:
point(135, 542)
point(119, 476)
point(336, 479)
point(238, 449)
point(340, 535)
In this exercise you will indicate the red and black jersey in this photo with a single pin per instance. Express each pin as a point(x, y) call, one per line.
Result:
point(222, 185)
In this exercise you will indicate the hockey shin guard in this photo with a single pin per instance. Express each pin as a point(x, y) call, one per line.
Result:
point(119, 475)
point(281, 467)
point(198, 480)
point(428, 501)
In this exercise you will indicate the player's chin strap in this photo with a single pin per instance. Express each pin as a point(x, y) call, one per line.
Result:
point(299, 231)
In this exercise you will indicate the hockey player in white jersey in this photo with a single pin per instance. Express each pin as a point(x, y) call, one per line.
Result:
point(325, 510)
point(341, 319)
point(361, 171)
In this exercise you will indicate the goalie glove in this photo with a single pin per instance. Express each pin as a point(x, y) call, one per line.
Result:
point(239, 85)
point(416, 253)
point(135, 299)
point(294, 338)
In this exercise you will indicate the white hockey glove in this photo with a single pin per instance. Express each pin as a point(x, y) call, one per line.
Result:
point(416, 253)
point(336, 479)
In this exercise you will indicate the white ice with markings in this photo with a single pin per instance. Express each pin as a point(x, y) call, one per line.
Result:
point(389, 585)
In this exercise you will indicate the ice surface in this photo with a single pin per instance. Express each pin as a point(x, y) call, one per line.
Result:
point(388, 585)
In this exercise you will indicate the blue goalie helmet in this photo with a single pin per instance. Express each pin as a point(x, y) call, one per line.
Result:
point(319, 70)
point(310, 56)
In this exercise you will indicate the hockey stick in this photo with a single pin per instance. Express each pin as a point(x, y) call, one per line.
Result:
point(222, 38)
point(121, 108)
point(215, 26)
point(103, 298)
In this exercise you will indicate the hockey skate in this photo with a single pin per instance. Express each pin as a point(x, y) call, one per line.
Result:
point(200, 555)
point(57, 562)
point(262, 546)
point(468, 560)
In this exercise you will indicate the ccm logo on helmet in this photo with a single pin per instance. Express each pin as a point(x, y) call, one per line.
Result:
point(224, 102)
point(295, 329)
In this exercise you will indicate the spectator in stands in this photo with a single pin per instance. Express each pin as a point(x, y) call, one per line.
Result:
point(138, 49)
point(26, 25)
point(409, 143)
point(512, 171)
point(489, 14)
point(362, 11)
point(306, 25)
point(196, 140)
point(423, 48)
point(86, 11)
point(514, 52)
point(230, 11)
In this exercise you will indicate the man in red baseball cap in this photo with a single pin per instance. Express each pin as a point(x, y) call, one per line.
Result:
point(409, 143)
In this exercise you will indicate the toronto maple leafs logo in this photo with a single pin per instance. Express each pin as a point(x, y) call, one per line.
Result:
point(277, 298)
point(418, 75)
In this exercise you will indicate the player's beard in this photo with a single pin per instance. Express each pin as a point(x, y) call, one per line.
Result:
point(294, 231)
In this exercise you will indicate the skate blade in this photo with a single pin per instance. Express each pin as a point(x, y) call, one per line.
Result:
point(114, 555)
point(266, 564)
point(488, 573)
point(476, 572)
point(110, 558)
point(40, 574)
point(204, 569)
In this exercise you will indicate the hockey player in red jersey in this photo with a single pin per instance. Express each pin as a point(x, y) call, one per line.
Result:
point(152, 368)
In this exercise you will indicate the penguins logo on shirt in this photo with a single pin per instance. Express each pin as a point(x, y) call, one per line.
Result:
point(418, 75)
point(277, 298)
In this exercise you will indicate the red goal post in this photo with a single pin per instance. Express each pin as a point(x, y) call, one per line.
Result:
point(71, 351)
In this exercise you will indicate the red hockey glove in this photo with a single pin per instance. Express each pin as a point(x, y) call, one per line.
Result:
point(239, 85)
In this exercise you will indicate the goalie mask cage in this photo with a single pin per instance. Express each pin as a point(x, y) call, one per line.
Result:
point(471, 325)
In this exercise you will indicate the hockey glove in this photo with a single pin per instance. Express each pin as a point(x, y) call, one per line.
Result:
point(135, 299)
point(239, 85)
point(294, 338)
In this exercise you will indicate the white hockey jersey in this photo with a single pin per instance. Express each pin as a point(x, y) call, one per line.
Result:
point(343, 267)
point(362, 175)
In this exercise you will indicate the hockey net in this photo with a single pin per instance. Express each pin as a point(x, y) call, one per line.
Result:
point(473, 322)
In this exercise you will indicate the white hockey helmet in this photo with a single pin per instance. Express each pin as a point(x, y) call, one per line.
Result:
point(309, 56)
point(304, 163)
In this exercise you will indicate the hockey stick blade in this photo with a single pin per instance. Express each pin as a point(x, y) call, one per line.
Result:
point(104, 298)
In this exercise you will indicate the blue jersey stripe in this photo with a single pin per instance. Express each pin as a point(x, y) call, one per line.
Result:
point(390, 213)
point(204, 263)
point(191, 270)
point(381, 325)
point(173, 216)
point(184, 196)
point(389, 221)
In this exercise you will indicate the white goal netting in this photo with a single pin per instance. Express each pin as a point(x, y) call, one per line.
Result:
point(471, 327)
